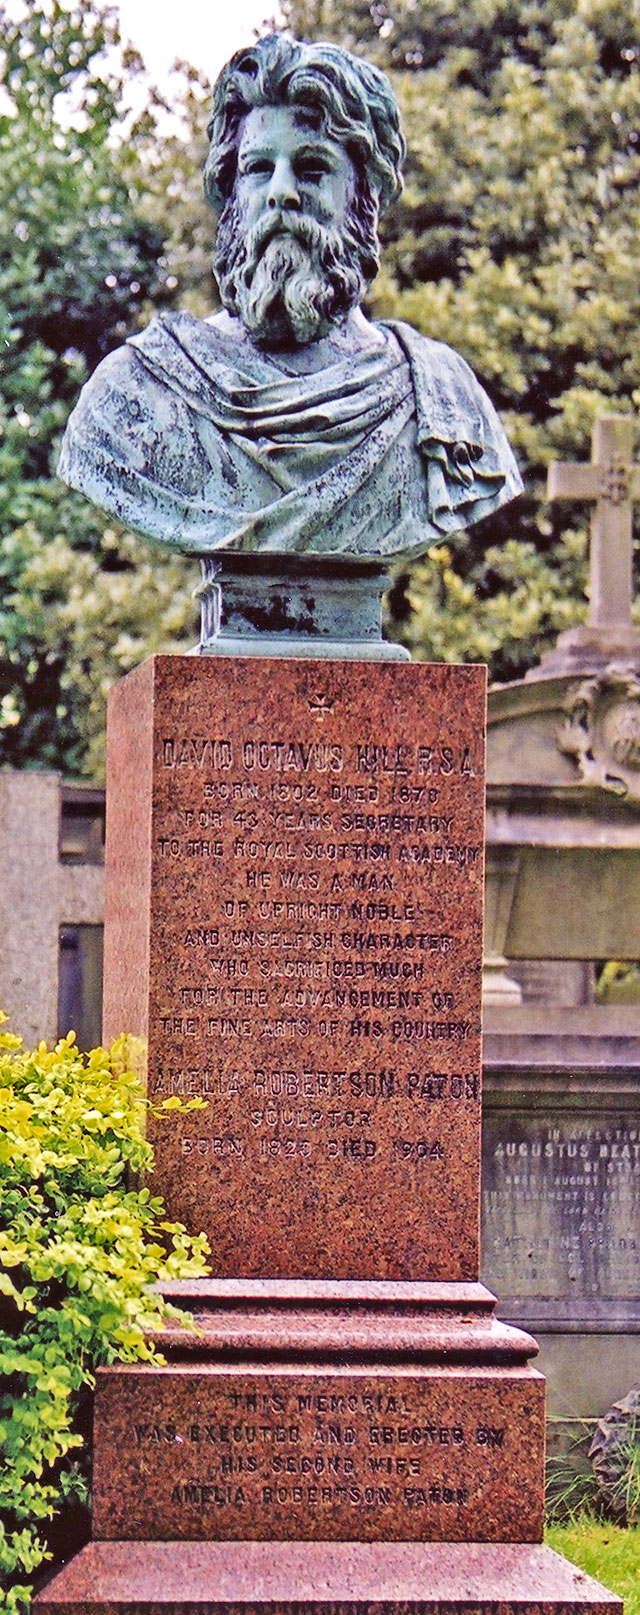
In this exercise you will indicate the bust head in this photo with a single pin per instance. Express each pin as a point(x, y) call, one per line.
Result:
point(305, 154)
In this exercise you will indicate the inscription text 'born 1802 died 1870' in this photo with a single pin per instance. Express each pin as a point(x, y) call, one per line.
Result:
point(301, 863)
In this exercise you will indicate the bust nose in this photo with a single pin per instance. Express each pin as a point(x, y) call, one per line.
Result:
point(283, 189)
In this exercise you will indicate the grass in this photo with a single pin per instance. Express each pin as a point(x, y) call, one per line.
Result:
point(609, 1553)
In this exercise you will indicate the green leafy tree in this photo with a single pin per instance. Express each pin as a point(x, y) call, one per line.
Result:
point(81, 263)
point(175, 196)
point(517, 242)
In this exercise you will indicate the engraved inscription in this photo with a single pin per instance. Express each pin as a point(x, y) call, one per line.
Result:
point(561, 1207)
point(321, 886)
point(410, 1455)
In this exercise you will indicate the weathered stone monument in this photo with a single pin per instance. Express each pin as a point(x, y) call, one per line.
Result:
point(294, 902)
point(561, 1186)
point(50, 928)
point(611, 484)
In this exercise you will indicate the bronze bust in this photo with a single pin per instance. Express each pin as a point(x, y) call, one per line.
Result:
point(288, 423)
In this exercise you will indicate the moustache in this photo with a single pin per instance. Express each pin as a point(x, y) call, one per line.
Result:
point(289, 269)
point(298, 226)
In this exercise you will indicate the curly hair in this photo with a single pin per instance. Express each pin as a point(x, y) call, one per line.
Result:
point(351, 101)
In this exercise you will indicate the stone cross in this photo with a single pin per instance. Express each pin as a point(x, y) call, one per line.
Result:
point(612, 483)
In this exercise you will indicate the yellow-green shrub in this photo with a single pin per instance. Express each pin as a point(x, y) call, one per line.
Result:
point(79, 1252)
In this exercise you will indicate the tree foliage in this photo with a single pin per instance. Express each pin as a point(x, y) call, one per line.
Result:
point(175, 196)
point(516, 242)
point(81, 263)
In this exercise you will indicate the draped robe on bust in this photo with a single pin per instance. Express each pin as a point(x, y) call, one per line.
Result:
point(203, 443)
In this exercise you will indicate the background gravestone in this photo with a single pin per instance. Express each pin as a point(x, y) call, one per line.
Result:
point(51, 930)
point(561, 1113)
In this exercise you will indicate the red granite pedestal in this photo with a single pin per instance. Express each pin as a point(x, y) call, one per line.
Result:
point(286, 1578)
point(294, 931)
point(344, 1446)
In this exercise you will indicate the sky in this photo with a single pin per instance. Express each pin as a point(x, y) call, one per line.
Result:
point(205, 34)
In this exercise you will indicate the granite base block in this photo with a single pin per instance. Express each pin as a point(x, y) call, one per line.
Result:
point(298, 1411)
point(275, 1578)
point(196, 1451)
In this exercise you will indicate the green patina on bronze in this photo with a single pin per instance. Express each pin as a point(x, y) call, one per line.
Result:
point(288, 423)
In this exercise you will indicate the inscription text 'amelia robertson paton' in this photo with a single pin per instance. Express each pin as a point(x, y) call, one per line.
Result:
point(316, 901)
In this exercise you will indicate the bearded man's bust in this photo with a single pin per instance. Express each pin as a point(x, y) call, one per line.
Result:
point(288, 422)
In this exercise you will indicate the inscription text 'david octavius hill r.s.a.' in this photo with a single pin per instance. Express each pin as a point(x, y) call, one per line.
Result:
point(315, 960)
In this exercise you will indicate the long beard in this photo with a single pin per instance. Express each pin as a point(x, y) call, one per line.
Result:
point(290, 279)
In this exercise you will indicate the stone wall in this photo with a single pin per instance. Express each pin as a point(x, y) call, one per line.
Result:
point(51, 902)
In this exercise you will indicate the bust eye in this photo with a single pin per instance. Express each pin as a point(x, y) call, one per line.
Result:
point(312, 171)
point(258, 165)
